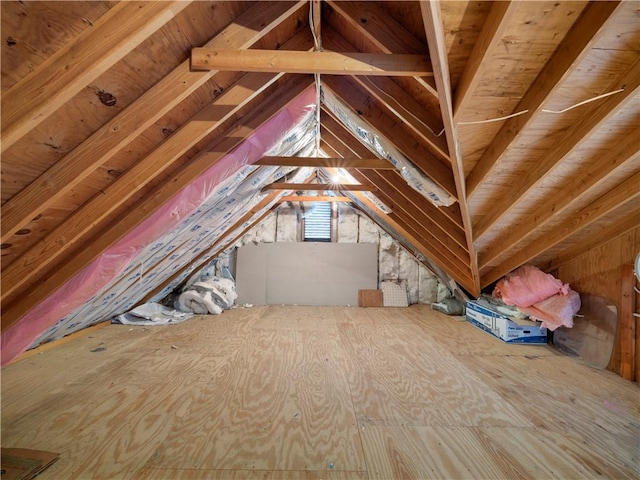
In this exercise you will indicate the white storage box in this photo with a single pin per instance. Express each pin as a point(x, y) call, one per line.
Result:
point(508, 329)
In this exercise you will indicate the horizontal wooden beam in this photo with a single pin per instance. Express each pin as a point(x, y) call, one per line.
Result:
point(312, 198)
point(332, 187)
point(322, 162)
point(324, 62)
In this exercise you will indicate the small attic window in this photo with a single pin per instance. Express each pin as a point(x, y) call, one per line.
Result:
point(317, 223)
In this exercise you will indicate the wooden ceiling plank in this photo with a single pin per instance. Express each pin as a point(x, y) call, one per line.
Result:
point(313, 198)
point(569, 54)
point(383, 31)
point(434, 30)
point(13, 311)
point(72, 169)
point(322, 62)
point(586, 180)
point(329, 187)
point(364, 163)
point(625, 192)
point(490, 35)
point(580, 131)
point(410, 146)
point(600, 237)
point(80, 61)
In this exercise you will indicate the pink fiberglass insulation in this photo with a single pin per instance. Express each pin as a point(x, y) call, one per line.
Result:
point(528, 285)
point(111, 263)
point(556, 311)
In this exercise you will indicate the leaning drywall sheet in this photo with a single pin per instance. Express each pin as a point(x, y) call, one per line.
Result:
point(151, 253)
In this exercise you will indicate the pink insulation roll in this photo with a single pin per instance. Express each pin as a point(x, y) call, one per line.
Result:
point(555, 311)
point(528, 285)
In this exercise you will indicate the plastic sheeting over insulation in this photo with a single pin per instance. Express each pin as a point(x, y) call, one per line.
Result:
point(169, 238)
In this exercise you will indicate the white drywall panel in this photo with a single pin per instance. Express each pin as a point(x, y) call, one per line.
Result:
point(305, 273)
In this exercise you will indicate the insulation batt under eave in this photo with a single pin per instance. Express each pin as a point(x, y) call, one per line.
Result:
point(109, 268)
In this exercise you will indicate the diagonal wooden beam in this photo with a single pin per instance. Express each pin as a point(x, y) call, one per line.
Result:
point(624, 193)
point(329, 187)
point(121, 29)
point(198, 260)
point(490, 35)
point(323, 162)
point(64, 237)
point(428, 229)
point(398, 101)
point(72, 169)
point(621, 226)
point(381, 30)
point(404, 229)
point(323, 62)
point(411, 147)
point(571, 51)
point(431, 17)
point(13, 311)
point(593, 119)
point(622, 152)
point(345, 142)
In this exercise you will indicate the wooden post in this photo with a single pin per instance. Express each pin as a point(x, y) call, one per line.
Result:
point(627, 324)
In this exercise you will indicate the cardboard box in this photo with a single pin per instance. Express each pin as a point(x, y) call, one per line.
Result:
point(508, 329)
point(370, 298)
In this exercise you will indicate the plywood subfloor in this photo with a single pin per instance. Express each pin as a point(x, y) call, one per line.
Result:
point(302, 393)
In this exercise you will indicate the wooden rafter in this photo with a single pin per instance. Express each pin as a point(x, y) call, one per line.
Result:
point(622, 152)
point(72, 169)
point(573, 48)
point(626, 192)
point(437, 49)
point(323, 62)
point(215, 246)
point(414, 222)
point(383, 31)
point(406, 229)
point(66, 235)
point(121, 29)
point(366, 163)
point(580, 131)
point(423, 228)
point(619, 227)
point(344, 139)
point(400, 103)
point(415, 149)
point(447, 225)
point(490, 35)
point(13, 311)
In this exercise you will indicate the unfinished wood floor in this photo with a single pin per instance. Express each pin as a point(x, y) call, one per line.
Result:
point(318, 392)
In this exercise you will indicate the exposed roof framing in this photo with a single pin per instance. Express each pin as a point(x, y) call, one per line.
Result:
point(525, 113)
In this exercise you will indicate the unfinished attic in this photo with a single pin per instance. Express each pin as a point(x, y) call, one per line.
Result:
point(302, 198)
